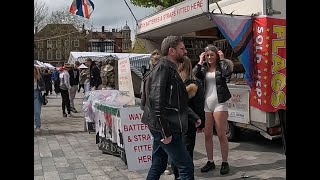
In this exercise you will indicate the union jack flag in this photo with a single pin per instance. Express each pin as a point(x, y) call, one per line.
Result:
point(82, 8)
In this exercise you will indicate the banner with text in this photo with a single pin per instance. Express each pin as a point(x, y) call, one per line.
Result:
point(137, 139)
point(269, 90)
point(178, 12)
point(238, 105)
point(125, 78)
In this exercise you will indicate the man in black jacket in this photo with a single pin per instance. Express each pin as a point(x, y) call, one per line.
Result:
point(95, 78)
point(166, 111)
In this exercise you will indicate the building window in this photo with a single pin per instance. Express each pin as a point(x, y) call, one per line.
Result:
point(58, 43)
point(76, 43)
point(66, 43)
point(36, 55)
point(49, 44)
point(54, 54)
point(40, 44)
point(36, 44)
point(41, 55)
point(95, 47)
point(109, 47)
point(54, 44)
point(49, 55)
point(58, 54)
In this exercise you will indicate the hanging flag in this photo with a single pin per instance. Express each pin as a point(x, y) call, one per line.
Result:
point(238, 31)
point(82, 8)
point(269, 90)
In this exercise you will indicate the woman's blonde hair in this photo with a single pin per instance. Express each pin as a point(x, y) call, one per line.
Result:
point(154, 58)
point(37, 74)
point(185, 69)
point(215, 49)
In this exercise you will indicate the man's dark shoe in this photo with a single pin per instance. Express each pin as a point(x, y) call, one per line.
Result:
point(64, 115)
point(224, 168)
point(74, 110)
point(209, 166)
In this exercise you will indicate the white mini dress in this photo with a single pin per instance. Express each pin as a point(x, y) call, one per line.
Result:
point(211, 97)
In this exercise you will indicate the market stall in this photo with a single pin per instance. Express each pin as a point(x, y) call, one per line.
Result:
point(136, 62)
point(115, 117)
point(252, 34)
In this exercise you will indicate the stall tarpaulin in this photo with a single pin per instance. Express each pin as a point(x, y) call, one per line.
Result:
point(269, 90)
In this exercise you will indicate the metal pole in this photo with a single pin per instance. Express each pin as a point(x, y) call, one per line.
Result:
point(131, 12)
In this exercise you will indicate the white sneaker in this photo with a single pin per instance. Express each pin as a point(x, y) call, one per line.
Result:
point(71, 115)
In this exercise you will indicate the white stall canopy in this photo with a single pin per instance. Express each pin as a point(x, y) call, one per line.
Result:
point(43, 65)
point(100, 56)
point(136, 60)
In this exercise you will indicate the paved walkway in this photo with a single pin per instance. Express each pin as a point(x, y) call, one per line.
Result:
point(64, 151)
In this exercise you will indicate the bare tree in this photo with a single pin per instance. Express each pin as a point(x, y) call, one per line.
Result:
point(63, 16)
point(40, 13)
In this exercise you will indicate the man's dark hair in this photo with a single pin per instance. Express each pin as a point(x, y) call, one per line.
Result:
point(77, 63)
point(169, 42)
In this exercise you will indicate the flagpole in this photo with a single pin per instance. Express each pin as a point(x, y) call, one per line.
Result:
point(131, 12)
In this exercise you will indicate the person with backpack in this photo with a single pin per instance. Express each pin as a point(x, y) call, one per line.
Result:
point(56, 81)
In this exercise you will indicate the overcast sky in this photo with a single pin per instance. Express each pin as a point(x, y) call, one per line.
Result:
point(107, 13)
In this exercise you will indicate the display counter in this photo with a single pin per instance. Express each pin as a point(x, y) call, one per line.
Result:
point(118, 127)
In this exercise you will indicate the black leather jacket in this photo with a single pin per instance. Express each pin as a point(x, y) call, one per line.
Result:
point(166, 109)
point(223, 73)
point(74, 80)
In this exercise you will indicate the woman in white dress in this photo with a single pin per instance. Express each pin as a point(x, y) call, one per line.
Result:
point(214, 71)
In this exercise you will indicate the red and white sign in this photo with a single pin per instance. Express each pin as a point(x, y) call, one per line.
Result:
point(178, 12)
point(269, 91)
point(137, 139)
point(238, 105)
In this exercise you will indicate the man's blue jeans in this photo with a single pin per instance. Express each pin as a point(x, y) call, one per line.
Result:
point(37, 108)
point(176, 151)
